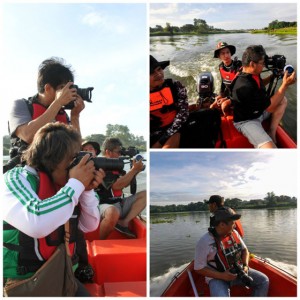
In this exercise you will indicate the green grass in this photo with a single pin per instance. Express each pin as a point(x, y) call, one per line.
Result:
point(288, 30)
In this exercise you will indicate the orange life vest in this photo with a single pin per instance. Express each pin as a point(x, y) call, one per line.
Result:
point(162, 105)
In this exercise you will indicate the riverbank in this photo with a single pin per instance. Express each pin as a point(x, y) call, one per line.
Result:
point(288, 30)
point(196, 33)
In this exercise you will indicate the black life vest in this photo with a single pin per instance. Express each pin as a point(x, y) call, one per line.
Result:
point(105, 191)
point(33, 252)
point(229, 251)
point(163, 108)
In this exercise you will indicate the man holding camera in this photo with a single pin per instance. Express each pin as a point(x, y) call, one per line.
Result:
point(116, 210)
point(42, 196)
point(55, 91)
point(222, 257)
point(253, 105)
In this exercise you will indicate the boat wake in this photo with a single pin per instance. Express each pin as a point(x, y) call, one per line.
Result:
point(158, 284)
point(291, 269)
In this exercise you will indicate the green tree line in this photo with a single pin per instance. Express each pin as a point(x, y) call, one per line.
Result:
point(119, 131)
point(270, 201)
point(280, 24)
point(200, 26)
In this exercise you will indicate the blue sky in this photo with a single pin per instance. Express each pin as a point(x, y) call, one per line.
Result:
point(184, 177)
point(106, 45)
point(222, 15)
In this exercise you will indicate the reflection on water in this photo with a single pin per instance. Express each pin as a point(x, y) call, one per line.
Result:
point(192, 55)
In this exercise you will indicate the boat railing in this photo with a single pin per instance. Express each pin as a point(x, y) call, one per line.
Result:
point(193, 283)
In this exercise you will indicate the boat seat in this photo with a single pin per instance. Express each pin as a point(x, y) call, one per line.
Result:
point(231, 136)
point(118, 289)
point(119, 259)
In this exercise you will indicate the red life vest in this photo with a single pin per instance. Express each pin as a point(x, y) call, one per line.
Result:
point(229, 251)
point(162, 105)
point(38, 109)
point(34, 252)
point(46, 190)
point(228, 75)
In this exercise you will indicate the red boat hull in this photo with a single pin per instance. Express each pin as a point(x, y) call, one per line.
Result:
point(282, 284)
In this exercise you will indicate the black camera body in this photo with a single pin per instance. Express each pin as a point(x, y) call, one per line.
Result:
point(277, 64)
point(85, 94)
point(245, 278)
point(107, 164)
point(131, 151)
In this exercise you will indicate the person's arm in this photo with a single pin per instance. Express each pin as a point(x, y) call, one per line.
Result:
point(182, 114)
point(124, 181)
point(75, 112)
point(27, 131)
point(207, 272)
point(287, 80)
point(35, 217)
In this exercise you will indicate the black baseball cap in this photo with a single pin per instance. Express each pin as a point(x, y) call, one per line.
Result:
point(225, 214)
point(215, 199)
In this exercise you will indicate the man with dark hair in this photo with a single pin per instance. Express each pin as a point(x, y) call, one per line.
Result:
point(220, 254)
point(115, 209)
point(39, 198)
point(215, 202)
point(252, 104)
point(54, 84)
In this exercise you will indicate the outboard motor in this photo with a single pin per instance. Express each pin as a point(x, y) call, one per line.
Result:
point(205, 87)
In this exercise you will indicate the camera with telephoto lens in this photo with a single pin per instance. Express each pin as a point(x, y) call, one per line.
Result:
point(245, 278)
point(277, 64)
point(107, 164)
point(131, 151)
point(85, 94)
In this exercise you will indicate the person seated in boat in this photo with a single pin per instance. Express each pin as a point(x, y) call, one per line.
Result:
point(251, 102)
point(228, 68)
point(115, 209)
point(92, 147)
point(40, 197)
point(27, 116)
point(222, 257)
point(215, 202)
point(169, 108)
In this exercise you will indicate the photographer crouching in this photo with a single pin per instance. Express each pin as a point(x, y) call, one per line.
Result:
point(251, 101)
point(115, 209)
point(222, 257)
point(39, 198)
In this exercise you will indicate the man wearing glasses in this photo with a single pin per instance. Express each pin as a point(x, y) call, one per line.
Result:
point(251, 102)
point(115, 209)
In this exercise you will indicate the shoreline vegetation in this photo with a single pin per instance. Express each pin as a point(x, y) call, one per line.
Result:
point(200, 27)
point(271, 201)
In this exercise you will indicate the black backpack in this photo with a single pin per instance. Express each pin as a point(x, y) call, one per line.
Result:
point(202, 129)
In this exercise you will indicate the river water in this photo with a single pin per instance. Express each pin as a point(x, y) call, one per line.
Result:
point(270, 234)
point(192, 55)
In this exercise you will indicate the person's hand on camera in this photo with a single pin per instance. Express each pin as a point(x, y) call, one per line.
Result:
point(228, 276)
point(83, 171)
point(66, 94)
point(98, 178)
point(78, 106)
point(137, 166)
point(288, 79)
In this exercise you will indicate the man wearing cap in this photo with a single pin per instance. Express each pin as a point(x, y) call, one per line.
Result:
point(221, 252)
point(168, 107)
point(251, 102)
point(228, 70)
point(215, 202)
point(92, 147)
